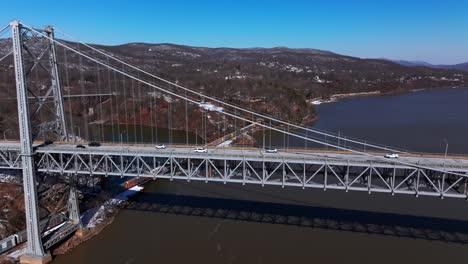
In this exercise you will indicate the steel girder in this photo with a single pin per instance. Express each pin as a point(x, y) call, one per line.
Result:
point(10, 159)
point(326, 174)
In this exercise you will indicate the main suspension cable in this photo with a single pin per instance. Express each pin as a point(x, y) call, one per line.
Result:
point(233, 105)
point(4, 28)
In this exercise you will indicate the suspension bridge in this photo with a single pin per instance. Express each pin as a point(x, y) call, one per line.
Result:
point(71, 93)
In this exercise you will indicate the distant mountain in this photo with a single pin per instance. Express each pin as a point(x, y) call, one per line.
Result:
point(276, 81)
point(413, 63)
point(460, 66)
point(269, 72)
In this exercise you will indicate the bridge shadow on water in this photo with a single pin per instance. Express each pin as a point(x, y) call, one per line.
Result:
point(388, 224)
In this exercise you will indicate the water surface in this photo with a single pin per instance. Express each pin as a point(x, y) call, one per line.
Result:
point(420, 121)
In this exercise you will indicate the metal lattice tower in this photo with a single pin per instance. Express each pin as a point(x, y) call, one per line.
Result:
point(28, 43)
point(59, 123)
point(34, 246)
point(39, 54)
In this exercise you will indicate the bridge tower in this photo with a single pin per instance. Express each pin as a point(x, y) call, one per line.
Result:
point(35, 252)
point(59, 122)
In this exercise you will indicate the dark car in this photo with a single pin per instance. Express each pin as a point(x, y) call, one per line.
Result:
point(47, 142)
point(94, 144)
point(80, 146)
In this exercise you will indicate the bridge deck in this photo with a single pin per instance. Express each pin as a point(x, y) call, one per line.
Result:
point(454, 163)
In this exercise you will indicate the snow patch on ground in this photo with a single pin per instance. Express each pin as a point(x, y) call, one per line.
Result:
point(211, 107)
point(5, 178)
point(95, 216)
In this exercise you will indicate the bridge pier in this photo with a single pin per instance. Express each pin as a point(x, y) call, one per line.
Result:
point(31, 259)
point(73, 208)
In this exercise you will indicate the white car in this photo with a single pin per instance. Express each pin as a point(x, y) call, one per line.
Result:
point(271, 150)
point(200, 150)
point(161, 146)
point(392, 156)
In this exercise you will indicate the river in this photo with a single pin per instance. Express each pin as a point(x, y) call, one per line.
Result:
point(180, 222)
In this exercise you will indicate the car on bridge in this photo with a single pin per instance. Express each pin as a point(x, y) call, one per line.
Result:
point(200, 150)
point(392, 156)
point(271, 150)
point(94, 144)
point(162, 146)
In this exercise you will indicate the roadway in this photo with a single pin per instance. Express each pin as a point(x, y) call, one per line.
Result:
point(453, 163)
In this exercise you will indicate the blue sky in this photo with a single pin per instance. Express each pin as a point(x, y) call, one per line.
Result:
point(433, 31)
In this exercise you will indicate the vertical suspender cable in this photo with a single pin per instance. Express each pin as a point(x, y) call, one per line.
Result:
point(172, 127)
point(140, 111)
point(117, 102)
point(125, 99)
point(134, 111)
point(83, 103)
point(70, 100)
point(100, 116)
point(235, 122)
point(169, 121)
point(156, 117)
point(270, 136)
point(186, 121)
point(170, 117)
point(151, 106)
point(204, 129)
point(111, 101)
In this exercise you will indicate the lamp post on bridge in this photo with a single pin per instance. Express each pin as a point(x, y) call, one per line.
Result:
point(446, 150)
point(263, 138)
point(121, 138)
point(339, 137)
point(79, 132)
point(4, 134)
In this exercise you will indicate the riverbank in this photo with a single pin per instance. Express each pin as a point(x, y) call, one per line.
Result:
point(336, 97)
point(97, 219)
point(94, 221)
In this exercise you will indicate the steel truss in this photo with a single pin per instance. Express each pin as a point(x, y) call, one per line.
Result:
point(331, 174)
point(39, 53)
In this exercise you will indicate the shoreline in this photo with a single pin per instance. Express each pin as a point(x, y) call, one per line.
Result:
point(95, 220)
point(336, 97)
